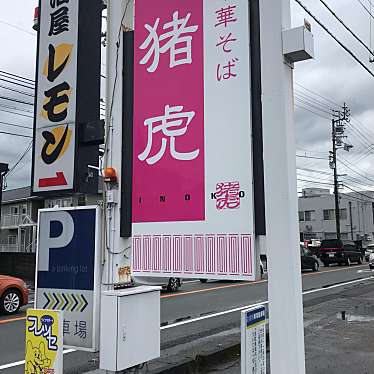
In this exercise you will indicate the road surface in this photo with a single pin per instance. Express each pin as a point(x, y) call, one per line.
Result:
point(193, 300)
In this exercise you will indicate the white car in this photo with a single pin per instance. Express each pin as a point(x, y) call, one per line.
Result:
point(170, 284)
point(369, 249)
point(371, 261)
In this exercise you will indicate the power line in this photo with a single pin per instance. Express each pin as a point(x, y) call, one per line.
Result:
point(311, 157)
point(315, 171)
point(359, 135)
point(355, 119)
point(14, 134)
point(354, 133)
point(17, 91)
point(355, 182)
point(6, 79)
point(15, 108)
point(369, 1)
point(335, 38)
point(20, 159)
point(18, 114)
point(16, 101)
point(16, 76)
point(367, 10)
point(306, 102)
point(313, 100)
point(360, 193)
point(362, 158)
point(361, 175)
point(345, 26)
point(311, 111)
point(317, 94)
point(305, 180)
point(17, 28)
point(356, 168)
point(349, 197)
point(14, 125)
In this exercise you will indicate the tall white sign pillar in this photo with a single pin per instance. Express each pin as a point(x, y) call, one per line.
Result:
point(287, 354)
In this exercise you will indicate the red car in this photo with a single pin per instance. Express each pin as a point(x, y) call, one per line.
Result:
point(13, 294)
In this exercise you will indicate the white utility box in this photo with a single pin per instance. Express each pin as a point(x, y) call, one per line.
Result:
point(298, 44)
point(129, 327)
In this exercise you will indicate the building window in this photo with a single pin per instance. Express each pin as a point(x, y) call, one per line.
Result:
point(82, 200)
point(59, 203)
point(24, 209)
point(67, 202)
point(310, 215)
point(328, 214)
point(301, 216)
point(14, 210)
point(12, 240)
point(343, 213)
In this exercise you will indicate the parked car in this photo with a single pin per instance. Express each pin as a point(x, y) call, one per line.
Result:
point(308, 262)
point(371, 261)
point(263, 268)
point(170, 284)
point(13, 294)
point(334, 251)
point(369, 249)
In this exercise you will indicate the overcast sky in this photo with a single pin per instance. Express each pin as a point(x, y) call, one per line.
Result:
point(333, 75)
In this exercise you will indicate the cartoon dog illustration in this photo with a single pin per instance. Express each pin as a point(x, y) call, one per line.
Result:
point(37, 360)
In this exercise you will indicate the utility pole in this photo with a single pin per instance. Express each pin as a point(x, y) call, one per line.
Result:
point(336, 187)
point(3, 170)
point(350, 218)
point(337, 135)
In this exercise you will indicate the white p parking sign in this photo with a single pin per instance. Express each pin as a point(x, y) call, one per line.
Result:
point(67, 271)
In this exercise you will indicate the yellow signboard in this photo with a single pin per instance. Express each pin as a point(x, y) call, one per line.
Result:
point(44, 342)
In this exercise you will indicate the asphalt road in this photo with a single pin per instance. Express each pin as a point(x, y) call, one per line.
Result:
point(194, 299)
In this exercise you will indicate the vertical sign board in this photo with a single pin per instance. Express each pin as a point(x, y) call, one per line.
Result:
point(67, 94)
point(192, 199)
point(67, 276)
point(253, 341)
point(44, 342)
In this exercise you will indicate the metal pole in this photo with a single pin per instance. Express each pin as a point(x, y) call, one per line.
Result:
point(1, 194)
point(287, 353)
point(350, 218)
point(117, 250)
point(3, 170)
point(336, 188)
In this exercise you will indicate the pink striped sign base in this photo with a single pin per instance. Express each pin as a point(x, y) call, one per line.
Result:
point(190, 256)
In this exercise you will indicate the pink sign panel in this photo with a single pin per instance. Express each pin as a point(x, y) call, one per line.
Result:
point(168, 166)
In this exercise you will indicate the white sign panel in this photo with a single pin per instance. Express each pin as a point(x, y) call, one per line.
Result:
point(54, 146)
point(253, 341)
point(192, 207)
point(68, 271)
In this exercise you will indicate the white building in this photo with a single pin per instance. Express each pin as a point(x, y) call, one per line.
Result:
point(317, 215)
